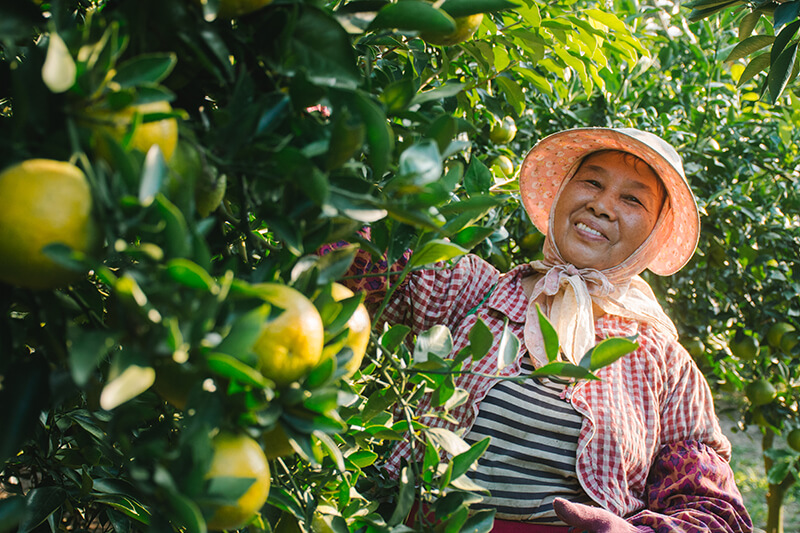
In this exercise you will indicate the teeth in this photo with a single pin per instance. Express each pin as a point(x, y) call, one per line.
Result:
point(584, 227)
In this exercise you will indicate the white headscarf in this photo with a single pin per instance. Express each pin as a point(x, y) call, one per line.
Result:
point(566, 294)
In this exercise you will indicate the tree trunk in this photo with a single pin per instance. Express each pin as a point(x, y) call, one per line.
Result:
point(776, 493)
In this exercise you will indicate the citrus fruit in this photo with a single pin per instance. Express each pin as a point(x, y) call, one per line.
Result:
point(503, 166)
point(793, 439)
point(45, 202)
point(532, 242)
point(776, 333)
point(465, 29)
point(276, 443)
point(238, 456)
point(745, 347)
point(163, 133)
point(359, 325)
point(209, 190)
point(695, 347)
point(503, 131)
point(290, 345)
point(789, 340)
point(760, 392)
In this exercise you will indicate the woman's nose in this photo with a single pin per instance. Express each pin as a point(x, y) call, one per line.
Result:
point(602, 205)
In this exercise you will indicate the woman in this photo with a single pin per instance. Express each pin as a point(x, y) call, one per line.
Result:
point(640, 450)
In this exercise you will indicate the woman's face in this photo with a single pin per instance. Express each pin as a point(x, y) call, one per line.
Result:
point(607, 210)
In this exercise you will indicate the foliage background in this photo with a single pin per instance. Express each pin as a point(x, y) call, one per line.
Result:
point(325, 119)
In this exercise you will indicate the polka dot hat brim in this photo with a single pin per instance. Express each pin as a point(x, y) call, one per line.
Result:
point(556, 157)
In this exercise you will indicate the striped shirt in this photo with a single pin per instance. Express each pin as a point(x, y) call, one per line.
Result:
point(532, 455)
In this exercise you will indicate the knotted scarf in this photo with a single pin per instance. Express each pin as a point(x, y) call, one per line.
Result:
point(568, 296)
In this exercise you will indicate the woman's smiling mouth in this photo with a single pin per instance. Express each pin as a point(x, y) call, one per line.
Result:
point(580, 226)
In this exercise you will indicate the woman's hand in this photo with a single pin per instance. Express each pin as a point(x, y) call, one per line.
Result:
point(590, 519)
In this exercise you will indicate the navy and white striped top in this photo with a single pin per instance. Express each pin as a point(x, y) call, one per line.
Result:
point(532, 455)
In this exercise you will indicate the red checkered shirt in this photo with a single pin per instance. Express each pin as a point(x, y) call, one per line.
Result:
point(650, 448)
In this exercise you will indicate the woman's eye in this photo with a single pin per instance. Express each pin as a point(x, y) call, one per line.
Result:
point(635, 200)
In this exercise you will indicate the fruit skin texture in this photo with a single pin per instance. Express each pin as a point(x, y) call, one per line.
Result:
point(357, 339)
point(465, 29)
point(46, 202)
point(746, 348)
point(760, 392)
point(504, 165)
point(163, 133)
point(793, 439)
point(776, 333)
point(239, 456)
point(290, 345)
point(504, 131)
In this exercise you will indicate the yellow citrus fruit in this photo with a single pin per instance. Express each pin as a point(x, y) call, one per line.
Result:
point(503, 131)
point(745, 347)
point(776, 333)
point(760, 392)
point(238, 456)
point(290, 345)
point(276, 443)
point(359, 325)
point(465, 29)
point(163, 133)
point(503, 166)
point(45, 202)
point(793, 439)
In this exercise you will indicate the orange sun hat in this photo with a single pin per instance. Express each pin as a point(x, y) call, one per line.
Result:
point(556, 158)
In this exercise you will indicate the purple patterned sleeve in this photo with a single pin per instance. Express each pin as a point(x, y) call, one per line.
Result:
point(691, 490)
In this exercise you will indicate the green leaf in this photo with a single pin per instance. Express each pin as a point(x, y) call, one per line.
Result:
point(176, 232)
point(609, 20)
point(12, 511)
point(700, 14)
point(513, 93)
point(231, 367)
point(781, 72)
point(562, 369)
point(778, 472)
point(412, 15)
point(434, 251)
point(437, 341)
point(785, 13)
point(244, 332)
point(405, 498)
point(321, 49)
point(754, 67)
point(551, 342)
point(145, 69)
point(186, 513)
point(464, 8)
point(29, 393)
point(447, 440)
point(479, 522)
point(129, 384)
point(607, 351)
point(750, 45)
point(441, 92)
point(782, 40)
point(41, 503)
point(748, 24)
point(480, 339)
point(392, 338)
point(478, 178)
point(380, 138)
point(507, 349)
point(420, 163)
point(398, 95)
point(464, 461)
point(362, 458)
point(331, 449)
point(153, 173)
point(190, 274)
point(86, 349)
point(471, 236)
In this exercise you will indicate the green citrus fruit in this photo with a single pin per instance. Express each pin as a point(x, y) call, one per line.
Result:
point(760, 392)
point(209, 191)
point(503, 131)
point(117, 124)
point(276, 443)
point(776, 333)
point(290, 345)
point(532, 242)
point(745, 347)
point(238, 456)
point(789, 340)
point(45, 202)
point(465, 29)
point(503, 166)
point(695, 347)
point(359, 325)
point(793, 439)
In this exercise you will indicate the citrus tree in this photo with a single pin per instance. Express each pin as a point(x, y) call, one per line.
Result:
point(175, 351)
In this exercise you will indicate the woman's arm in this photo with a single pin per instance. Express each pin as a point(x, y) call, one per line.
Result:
point(691, 489)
